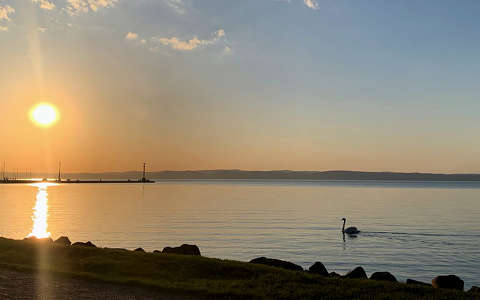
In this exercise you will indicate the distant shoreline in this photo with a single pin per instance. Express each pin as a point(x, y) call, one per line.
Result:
point(271, 175)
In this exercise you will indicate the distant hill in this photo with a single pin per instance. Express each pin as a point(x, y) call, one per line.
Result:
point(279, 175)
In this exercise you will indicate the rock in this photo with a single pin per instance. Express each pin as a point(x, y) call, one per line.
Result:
point(183, 249)
point(318, 268)
point(37, 240)
point(334, 275)
point(117, 249)
point(356, 273)
point(139, 250)
point(276, 263)
point(411, 281)
point(157, 251)
point(474, 290)
point(63, 240)
point(448, 282)
point(87, 244)
point(383, 276)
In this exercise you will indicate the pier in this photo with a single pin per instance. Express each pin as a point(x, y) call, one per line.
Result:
point(59, 180)
point(69, 181)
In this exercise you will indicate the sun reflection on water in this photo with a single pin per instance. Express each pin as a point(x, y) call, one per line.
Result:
point(40, 212)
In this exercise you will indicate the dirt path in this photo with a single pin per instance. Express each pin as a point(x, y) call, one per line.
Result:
point(25, 285)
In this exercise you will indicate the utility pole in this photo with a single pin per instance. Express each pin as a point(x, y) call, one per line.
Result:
point(60, 171)
point(144, 178)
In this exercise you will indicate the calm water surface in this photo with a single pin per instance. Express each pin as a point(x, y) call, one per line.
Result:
point(414, 230)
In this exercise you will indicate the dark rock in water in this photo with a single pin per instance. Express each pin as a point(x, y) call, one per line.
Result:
point(157, 251)
point(411, 281)
point(448, 282)
point(474, 290)
point(183, 249)
point(358, 272)
point(139, 250)
point(87, 244)
point(318, 268)
point(383, 276)
point(334, 275)
point(276, 263)
point(63, 240)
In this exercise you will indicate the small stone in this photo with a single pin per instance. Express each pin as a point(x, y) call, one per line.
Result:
point(276, 263)
point(474, 290)
point(87, 244)
point(334, 275)
point(383, 276)
point(64, 241)
point(357, 273)
point(411, 281)
point(448, 282)
point(319, 269)
point(184, 249)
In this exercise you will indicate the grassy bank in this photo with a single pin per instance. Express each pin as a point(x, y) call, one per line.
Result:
point(201, 276)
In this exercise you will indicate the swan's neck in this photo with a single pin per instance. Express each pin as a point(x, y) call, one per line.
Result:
point(343, 228)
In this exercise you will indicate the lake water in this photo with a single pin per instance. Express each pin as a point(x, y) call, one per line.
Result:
point(414, 230)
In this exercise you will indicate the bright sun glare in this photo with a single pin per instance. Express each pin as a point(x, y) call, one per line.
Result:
point(44, 114)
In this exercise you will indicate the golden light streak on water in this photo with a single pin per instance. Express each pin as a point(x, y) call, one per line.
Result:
point(40, 212)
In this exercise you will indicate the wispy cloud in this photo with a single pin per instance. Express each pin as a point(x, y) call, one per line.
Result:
point(3, 28)
point(189, 45)
point(178, 6)
point(76, 7)
point(45, 4)
point(41, 29)
point(5, 12)
point(313, 4)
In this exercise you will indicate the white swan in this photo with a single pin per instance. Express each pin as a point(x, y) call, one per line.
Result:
point(349, 230)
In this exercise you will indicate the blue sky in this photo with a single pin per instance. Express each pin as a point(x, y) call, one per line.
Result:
point(264, 84)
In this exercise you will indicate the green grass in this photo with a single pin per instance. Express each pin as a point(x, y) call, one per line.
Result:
point(201, 276)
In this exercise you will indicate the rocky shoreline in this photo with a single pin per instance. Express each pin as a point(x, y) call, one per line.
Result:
point(442, 281)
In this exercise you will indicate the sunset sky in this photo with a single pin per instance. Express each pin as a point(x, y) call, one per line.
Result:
point(251, 84)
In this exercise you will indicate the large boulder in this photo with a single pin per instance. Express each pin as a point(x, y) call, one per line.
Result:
point(87, 244)
point(411, 281)
point(383, 276)
point(357, 273)
point(183, 249)
point(63, 240)
point(276, 263)
point(448, 282)
point(139, 250)
point(318, 268)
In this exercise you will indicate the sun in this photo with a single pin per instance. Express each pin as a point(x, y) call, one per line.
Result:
point(44, 114)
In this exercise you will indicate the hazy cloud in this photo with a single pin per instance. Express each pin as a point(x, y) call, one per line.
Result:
point(41, 29)
point(3, 28)
point(45, 4)
point(313, 4)
point(177, 5)
point(5, 12)
point(189, 45)
point(76, 7)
